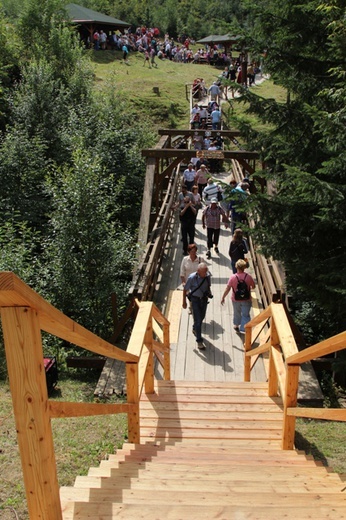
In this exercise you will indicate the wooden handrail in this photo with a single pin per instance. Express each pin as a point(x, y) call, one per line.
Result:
point(284, 363)
point(15, 293)
point(24, 315)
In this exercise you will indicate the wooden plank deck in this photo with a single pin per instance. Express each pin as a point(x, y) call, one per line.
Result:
point(223, 358)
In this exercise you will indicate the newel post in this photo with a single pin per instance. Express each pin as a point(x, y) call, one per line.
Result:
point(133, 398)
point(291, 397)
point(24, 355)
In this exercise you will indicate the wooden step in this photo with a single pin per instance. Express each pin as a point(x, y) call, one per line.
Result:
point(157, 483)
point(207, 451)
point(111, 511)
point(227, 471)
point(232, 498)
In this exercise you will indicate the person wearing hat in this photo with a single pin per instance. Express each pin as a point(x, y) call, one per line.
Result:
point(211, 220)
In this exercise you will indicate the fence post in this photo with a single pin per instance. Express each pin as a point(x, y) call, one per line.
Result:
point(23, 345)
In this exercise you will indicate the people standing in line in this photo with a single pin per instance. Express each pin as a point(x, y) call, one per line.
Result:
point(201, 178)
point(180, 202)
point(211, 220)
point(187, 218)
point(197, 199)
point(241, 284)
point(189, 176)
point(212, 190)
point(216, 118)
point(239, 194)
point(190, 263)
point(103, 40)
point(214, 92)
point(198, 289)
point(238, 248)
point(203, 116)
point(96, 38)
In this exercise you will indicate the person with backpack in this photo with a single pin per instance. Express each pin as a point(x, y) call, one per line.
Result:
point(241, 284)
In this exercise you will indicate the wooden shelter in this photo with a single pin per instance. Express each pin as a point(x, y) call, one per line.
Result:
point(88, 21)
point(227, 40)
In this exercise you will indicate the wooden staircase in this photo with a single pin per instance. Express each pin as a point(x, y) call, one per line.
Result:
point(209, 451)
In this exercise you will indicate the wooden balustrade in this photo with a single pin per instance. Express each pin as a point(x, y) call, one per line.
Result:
point(24, 315)
point(284, 364)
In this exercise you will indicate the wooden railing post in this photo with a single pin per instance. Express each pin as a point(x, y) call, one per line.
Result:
point(167, 354)
point(27, 377)
point(289, 422)
point(148, 343)
point(272, 376)
point(133, 398)
point(247, 361)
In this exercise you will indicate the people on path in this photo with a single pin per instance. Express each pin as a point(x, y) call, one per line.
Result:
point(214, 92)
point(216, 118)
point(202, 178)
point(125, 52)
point(180, 202)
point(187, 218)
point(198, 290)
point(237, 248)
point(239, 194)
point(197, 199)
point(189, 176)
point(147, 58)
point(190, 263)
point(211, 219)
point(241, 284)
point(212, 190)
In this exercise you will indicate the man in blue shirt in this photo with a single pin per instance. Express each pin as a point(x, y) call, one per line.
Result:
point(197, 288)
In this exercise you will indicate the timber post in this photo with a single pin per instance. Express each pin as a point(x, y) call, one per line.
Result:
point(24, 354)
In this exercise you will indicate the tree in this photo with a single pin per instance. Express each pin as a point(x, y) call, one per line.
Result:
point(302, 222)
point(88, 259)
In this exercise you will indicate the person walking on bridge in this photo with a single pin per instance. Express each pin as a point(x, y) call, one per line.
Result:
point(211, 221)
point(197, 289)
point(189, 177)
point(241, 284)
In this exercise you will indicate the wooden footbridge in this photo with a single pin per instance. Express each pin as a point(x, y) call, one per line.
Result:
point(210, 434)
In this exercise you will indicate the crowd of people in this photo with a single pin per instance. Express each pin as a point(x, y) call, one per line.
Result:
point(201, 192)
point(147, 40)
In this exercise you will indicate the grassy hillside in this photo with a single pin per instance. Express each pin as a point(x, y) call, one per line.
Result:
point(135, 83)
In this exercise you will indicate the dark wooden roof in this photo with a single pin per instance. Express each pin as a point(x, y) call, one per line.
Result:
point(82, 15)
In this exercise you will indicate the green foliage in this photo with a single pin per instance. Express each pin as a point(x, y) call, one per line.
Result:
point(22, 174)
point(301, 222)
point(87, 257)
point(9, 67)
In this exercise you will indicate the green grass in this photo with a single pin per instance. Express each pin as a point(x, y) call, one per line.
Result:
point(79, 442)
point(135, 83)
